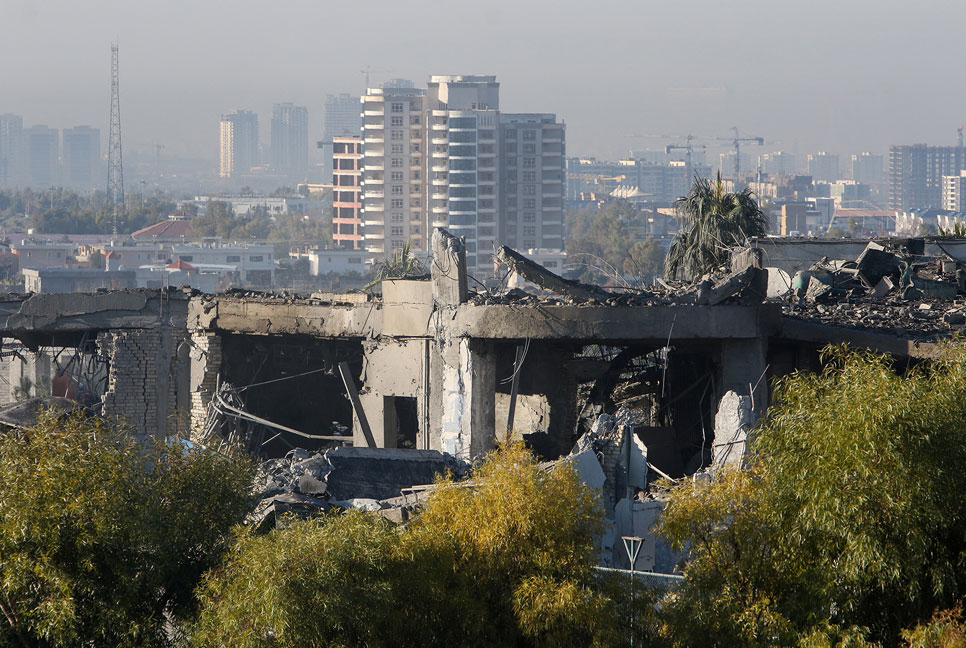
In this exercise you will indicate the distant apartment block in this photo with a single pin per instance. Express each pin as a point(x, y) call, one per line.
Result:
point(347, 192)
point(393, 170)
point(824, 167)
point(11, 150)
point(954, 192)
point(916, 174)
point(238, 150)
point(82, 158)
point(290, 141)
point(868, 168)
point(342, 117)
point(447, 157)
point(41, 254)
point(42, 148)
point(532, 164)
point(780, 163)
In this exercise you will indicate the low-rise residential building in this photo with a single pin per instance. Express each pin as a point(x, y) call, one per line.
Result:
point(255, 264)
point(66, 280)
point(336, 261)
point(42, 254)
point(206, 278)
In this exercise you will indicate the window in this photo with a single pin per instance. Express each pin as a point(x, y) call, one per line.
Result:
point(396, 135)
point(529, 135)
point(486, 203)
point(396, 217)
point(397, 176)
point(415, 229)
point(256, 259)
point(396, 163)
point(186, 257)
point(415, 201)
point(529, 203)
point(529, 162)
point(529, 230)
point(529, 149)
point(529, 176)
point(486, 176)
point(529, 243)
point(396, 121)
point(397, 245)
point(414, 119)
point(529, 217)
point(414, 189)
point(486, 148)
point(396, 190)
point(529, 190)
point(510, 133)
point(233, 258)
point(396, 203)
point(397, 107)
point(396, 231)
point(415, 174)
point(396, 148)
point(414, 147)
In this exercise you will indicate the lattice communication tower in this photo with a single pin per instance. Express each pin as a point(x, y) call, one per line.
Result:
point(115, 165)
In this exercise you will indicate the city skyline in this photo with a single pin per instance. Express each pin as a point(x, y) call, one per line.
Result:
point(635, 69)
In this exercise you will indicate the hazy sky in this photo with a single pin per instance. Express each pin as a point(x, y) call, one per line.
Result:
point(836, 75)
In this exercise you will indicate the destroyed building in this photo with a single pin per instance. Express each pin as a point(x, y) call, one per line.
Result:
point(431, 365)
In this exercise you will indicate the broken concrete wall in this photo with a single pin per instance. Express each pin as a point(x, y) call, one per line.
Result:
point(148, 379)
point(205, 357)
point(392, 368)
point(732, 423)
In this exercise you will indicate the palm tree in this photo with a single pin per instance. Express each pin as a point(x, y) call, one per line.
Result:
point(402, 264)
point(714, 222)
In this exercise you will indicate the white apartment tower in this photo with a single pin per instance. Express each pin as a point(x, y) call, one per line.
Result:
point(954, 192)
point(238, 143)
point(446, 157)
point(393, 161)
point(11, 150)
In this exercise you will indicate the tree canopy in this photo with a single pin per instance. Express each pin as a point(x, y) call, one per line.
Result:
point(609, 243)
point(849, 525)
point(503, 560)
point(103, 540)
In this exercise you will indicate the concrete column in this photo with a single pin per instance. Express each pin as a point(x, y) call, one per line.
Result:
point(743, 397)
point(468, 397)
point(448, 269)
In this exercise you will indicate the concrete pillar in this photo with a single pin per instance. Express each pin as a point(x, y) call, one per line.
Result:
point(468, 397)
point(743, 397)
point(448, 269)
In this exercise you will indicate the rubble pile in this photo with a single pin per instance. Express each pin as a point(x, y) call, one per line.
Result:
point(889, 290)
point(305, 484)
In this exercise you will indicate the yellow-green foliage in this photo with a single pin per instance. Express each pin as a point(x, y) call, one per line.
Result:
point(946, 629)
point(101, 536)
point(852, 513)
point(504, 561)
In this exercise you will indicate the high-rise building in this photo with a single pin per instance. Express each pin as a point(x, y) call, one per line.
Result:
point(342, 117)
point(347, 192)
point(464, 122)
point(393, 158)
point(916, 172)
point(823, 167)
point(11, 150)
point(532, 164)
point(82, 157)
point(290, 141)
point(42, 147)
point(780, 162)
point(868, 168)
point(239, 143)
point(446, 157)
point(954, 192)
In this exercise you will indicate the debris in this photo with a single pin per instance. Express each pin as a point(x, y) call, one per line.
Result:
point(537, 274)
point(875, 263)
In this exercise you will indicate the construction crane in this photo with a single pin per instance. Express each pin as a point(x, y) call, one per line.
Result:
point(369, 70)
point(736, 142)
point(688, 148)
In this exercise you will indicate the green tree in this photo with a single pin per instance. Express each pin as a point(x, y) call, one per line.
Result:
point(714, 221)
point(103, 540)
point(599, 241)
point(502, 560)
point(402, 264)
point(850, 521)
